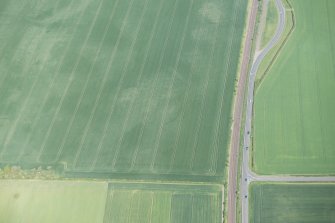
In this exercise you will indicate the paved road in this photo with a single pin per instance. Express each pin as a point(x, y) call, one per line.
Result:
point(238, 108)
point(247, 175)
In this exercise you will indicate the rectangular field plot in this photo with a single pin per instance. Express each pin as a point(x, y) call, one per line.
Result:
point(119, 86)
point(52, 201)
point(292, 203)
point(294, 121)
point(143, 203)
point(100, 202)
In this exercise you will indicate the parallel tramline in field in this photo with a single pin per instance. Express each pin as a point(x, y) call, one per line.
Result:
point(162, 203)
point(135, 92)
point(292, 203)
point(117, 87)
point(65, 201)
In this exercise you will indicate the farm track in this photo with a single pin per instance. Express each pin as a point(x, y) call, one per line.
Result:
point(247, 175)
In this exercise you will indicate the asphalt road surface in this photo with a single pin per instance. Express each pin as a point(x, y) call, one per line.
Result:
point(247, 175)
point(238, 109)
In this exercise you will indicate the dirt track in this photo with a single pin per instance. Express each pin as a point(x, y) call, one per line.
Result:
point(238, 108)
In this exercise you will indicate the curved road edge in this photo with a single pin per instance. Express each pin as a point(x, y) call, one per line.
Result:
point(247, 175)
point(237, 115)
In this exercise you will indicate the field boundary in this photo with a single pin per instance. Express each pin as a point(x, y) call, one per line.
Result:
point(281, 46)
point(237, 107)
point(243, 118)
point(256, 190)
point(144, 176)
point(264, 75)
point(248, 176)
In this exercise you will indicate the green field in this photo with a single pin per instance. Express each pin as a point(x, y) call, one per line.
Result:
point(64, 201)
point(294, 120)
point(119, 87)
point(127, 203)
point(270, 24)
point(52, 202)
point(270, 59)
point(292, 203)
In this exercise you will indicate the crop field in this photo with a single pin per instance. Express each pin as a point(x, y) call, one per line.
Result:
point(98, 202)
point(115, 86)
point(52, 202)
point(292, 203)
point(270, 26)
point(294, 122)
point(163, 204)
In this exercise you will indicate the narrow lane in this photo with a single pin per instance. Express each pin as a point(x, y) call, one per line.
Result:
point(238, 109)
point(247, 175)
point(246, 172)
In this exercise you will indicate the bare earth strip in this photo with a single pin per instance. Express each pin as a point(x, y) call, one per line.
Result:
point(235, 142)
